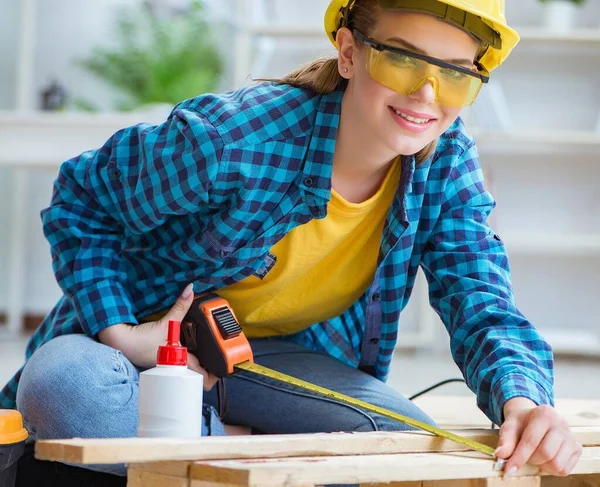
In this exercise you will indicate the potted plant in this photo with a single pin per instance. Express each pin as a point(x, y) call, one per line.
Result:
point(159, 58)
point(560, 15)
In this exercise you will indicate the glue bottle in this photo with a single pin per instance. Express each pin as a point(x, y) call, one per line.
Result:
point(170, 395)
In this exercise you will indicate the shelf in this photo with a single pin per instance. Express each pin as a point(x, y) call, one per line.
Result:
point(538, 34)
point(579, 342)
point(536, 142)
point(116, 120)
point(72, 119)
point(528, 34)
point(293, 31)
point(551, 245)
point(59, 136)
point(536, 137)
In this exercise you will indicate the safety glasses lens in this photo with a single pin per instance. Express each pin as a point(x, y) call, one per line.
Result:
point(406, 74)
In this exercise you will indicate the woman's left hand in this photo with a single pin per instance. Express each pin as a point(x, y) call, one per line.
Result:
point(536, 435)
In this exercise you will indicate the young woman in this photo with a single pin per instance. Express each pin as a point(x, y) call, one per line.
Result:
point(309, 204)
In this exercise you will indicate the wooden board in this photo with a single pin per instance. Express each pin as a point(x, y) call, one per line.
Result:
point(546, 481)
point(364, 469)
point(130, 450)
point(460, 412)
point(572, 481)
point(143, 478)
point(159, 474)
point(490, 482)
point(200, 483)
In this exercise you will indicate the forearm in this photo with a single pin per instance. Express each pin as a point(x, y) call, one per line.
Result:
point(138, 343)
point(113, 335)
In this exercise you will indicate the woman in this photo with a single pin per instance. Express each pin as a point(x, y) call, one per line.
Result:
point(309, 204)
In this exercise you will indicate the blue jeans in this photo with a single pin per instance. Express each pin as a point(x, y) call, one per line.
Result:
point(74, 386)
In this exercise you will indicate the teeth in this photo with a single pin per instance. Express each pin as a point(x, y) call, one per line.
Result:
point(409, 118)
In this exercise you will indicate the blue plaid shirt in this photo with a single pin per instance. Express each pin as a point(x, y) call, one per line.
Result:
point(204, 196)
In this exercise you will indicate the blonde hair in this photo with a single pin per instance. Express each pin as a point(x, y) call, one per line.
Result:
point(322, 75)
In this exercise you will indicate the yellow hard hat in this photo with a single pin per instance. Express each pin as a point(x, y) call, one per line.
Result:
point(484, 19)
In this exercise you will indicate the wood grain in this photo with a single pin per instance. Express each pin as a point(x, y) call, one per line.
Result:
point(130, 450)
point(365, 469)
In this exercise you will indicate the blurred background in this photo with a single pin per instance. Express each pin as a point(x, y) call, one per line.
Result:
point(73, 72)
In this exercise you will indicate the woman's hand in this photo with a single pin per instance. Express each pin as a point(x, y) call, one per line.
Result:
point(536, 435)
point(140, 343)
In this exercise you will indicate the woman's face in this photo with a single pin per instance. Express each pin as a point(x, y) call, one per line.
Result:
point(385, 110)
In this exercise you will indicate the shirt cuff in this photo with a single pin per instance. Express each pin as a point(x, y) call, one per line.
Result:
point(104, 304)
point(516, 385)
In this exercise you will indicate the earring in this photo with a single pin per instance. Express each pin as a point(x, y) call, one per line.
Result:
point(345, 70)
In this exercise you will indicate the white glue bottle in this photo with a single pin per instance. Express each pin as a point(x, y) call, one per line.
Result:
point(170, 395)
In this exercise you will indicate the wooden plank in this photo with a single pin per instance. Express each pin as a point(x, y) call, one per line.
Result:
point(572, 481)
point(364, 469)
point(172, 469)
point(545, 481)
point(461, 412)
point(395, 484)
point(140, 477)
point(200, 483)
point(128, 450)
point(489, 482)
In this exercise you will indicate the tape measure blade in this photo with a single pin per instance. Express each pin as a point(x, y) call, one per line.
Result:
point(273, 374)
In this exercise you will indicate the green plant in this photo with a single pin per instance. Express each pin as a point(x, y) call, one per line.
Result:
point(157, 59)
point(576, 2)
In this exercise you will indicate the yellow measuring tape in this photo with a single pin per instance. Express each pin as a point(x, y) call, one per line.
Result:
point(273, 374)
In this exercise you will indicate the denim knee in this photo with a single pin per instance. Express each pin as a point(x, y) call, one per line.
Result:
point(395, 403)
point(75, 386)
point(404, 408)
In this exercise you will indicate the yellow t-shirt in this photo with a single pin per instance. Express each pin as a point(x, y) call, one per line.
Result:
point(322, 267)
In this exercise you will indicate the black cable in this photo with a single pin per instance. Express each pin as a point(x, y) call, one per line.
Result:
point(435, 386)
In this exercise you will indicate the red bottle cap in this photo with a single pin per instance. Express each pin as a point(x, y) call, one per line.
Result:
point(172, 353)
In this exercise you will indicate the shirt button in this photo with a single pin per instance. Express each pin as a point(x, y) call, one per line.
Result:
point(376, 297)
point(374, 341)
point(308, 182)
point(117, 173)
point(224, 253)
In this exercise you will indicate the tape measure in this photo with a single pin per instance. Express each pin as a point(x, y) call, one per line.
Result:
point(273, 374)
point(212, 333)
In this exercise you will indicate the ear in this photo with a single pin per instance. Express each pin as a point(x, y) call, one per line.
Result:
point(347, 50)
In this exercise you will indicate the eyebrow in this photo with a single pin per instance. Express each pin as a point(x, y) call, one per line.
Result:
point(411, 47)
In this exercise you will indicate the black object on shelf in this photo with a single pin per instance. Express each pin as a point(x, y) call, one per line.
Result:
point(54, 97)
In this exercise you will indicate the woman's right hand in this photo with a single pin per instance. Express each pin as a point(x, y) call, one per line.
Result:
point(139, 343)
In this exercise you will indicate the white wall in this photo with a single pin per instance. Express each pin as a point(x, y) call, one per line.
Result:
point(8, 50)
point(68, 28)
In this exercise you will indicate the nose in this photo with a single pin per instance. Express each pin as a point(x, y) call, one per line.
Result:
point(425, 92)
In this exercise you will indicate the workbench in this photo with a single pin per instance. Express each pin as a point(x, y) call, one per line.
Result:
point(401, 459)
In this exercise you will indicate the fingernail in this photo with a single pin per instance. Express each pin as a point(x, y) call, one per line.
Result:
point(497, 450)
point(510, 472)
point(189, 289)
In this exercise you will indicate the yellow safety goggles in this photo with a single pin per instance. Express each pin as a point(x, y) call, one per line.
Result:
point(406, 72)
